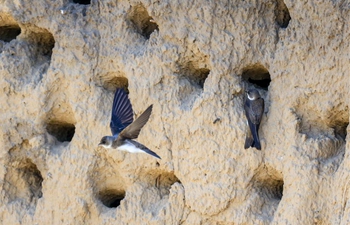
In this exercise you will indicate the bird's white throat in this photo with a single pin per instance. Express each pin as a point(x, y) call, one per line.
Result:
point(250, 97)
point(109, 146)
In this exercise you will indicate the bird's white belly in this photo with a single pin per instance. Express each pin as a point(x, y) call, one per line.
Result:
point(129, 148)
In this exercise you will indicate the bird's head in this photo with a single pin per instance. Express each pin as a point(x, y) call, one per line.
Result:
point(253, 94)
point(106, 141)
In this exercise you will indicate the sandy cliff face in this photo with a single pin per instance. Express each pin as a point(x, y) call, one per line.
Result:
point(61, 61)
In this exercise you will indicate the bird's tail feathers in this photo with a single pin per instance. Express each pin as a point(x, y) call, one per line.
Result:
point(256, 142)
point(254, 129)
point(146, 150)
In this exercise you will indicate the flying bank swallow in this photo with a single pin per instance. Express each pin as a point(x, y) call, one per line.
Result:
point(124, 128)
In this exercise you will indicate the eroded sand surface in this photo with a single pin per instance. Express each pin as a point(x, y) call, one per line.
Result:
point(61, 61)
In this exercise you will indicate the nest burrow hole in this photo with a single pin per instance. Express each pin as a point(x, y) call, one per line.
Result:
point(272, 188)
point(142, 21)
point(269, 184)
point(9, 32)
point(111, 198)
point(258, 76)
point(45, 42)
point(282, 14)
point(82, 2)
point(199, 76)
point(34, 179)
point(113, 81)
point(340, 129)
point(23, 181)
point(61, 131)
point(195, 74)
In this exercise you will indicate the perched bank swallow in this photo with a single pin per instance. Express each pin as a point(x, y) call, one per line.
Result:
point(124, 128)
point(254, 108)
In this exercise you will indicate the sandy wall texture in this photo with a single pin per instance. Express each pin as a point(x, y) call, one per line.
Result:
point(61, 61)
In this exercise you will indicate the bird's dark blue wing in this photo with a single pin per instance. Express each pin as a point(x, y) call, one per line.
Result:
point(122, 113)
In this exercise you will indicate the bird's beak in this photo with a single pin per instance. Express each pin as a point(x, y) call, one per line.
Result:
point(100, 144)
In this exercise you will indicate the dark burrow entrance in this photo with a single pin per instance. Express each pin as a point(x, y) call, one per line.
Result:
point(257, 75)
point(272, 189)
point(196, 76)
point(33, 177)
point(82, 2)
point(269, 184)
point(61, 131)
point(23, 181)
point(192, 72)
point(10, 32)
point(340, 129)
point(111, 198)
point(44, 42)
point(282, 14)
point(143, 22)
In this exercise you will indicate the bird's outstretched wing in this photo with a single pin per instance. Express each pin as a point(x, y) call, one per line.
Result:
point(133, 130)
point(122, 113)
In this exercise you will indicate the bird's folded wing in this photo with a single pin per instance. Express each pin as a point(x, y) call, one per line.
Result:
point(133, 130)
point(122, 113)
point(254, 110)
